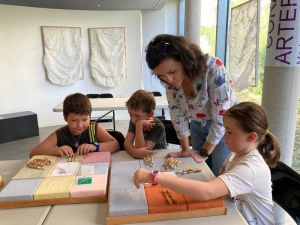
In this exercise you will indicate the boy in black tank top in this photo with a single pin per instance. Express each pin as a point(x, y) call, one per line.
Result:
point(79, 135)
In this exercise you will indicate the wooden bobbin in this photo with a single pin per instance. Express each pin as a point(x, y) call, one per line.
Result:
point(1, 181)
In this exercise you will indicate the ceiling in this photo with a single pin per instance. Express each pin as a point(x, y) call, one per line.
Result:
point(90, 4)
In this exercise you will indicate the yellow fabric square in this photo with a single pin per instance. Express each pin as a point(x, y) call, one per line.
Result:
point(27, 173)
point(54, 187)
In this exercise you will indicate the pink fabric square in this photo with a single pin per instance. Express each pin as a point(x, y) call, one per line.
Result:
point(96, 188)
point(97, 157)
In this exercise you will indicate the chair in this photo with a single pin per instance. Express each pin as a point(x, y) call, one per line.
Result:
point(104, 118)
point(119, 137)
point(162, 116)
point(171, 136)
point(286, 189)
point(93, 95)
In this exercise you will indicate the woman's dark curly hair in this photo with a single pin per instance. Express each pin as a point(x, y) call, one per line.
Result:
point(190, 55)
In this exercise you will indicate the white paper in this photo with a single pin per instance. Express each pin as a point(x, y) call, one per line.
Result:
point(65, 169)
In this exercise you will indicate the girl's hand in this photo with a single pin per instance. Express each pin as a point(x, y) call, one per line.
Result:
point(85, 149)
point(64, 150)
point(142, 176)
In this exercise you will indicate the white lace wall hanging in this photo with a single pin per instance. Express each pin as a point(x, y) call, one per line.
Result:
point(63, 54)
point(242, 45)
point(108, 55)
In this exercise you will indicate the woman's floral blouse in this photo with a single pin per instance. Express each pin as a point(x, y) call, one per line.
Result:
point(213, 97)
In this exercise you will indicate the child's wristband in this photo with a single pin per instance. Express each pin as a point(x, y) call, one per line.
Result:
point(97, 144)
point(154, 175)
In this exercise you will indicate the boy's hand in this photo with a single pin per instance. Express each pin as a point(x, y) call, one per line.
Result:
point(64, 150)
point(147, 124)
point(84, 149)
point(144, 152)
point(141, 176)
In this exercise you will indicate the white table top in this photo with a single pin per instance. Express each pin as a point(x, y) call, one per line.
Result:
point(95, 213)
point(105, 104)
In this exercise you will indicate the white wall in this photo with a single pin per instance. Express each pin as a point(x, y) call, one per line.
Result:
point(154, 23)
point(23, 84)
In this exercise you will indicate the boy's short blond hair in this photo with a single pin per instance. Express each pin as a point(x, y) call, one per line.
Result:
point(141, 100)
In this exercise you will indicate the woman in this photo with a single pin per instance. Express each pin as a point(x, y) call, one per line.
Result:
point(198, 90)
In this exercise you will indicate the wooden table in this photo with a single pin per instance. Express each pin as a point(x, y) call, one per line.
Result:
point(95, 213)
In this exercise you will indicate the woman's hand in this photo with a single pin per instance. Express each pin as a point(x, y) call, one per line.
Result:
point(178, 154)
point(142, 176)
point(195, 155)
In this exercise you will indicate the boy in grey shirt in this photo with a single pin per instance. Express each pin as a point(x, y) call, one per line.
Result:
point(145, 132)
